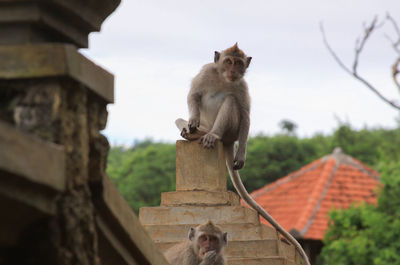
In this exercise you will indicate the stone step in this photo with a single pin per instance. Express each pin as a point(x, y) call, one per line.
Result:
point(288, 251)
point(197, 214)
point(242, 249)
point(199, 198)
point(236, 232)
point(252, 248)
point(276, 260)
point(247, 249)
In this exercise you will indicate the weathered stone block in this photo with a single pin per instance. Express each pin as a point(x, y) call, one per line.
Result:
point(259, 261)
point(55, 60)
point(34, 21)
point(252, 248)
point(198, 215)
point(236, 232)
point(31, 158)
point(121, 229)
point(198, 168)
point(210, 198)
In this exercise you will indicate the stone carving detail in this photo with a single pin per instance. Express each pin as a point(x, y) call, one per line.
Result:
point(99, 146)
point(37, 109)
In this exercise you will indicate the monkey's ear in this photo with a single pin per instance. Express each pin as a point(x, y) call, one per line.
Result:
point(225, 238)
point(248, 60)
point(192, 231)
point(216, 56)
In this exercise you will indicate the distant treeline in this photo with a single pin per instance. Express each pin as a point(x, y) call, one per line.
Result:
point(147, 168)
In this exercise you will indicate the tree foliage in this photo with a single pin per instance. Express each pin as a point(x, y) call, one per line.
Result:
point(288, 126)
point(142, 173)
point(146, 169)
point(367, 234)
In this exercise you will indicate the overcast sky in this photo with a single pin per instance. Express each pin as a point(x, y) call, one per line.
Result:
point(155, 48)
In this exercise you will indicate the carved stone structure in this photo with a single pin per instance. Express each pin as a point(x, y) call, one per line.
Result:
point(57, 204)
point(201, 194)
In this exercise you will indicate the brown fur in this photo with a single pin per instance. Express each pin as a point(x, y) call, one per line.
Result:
point(234, 51)
point(219, 109)
point(192, 252)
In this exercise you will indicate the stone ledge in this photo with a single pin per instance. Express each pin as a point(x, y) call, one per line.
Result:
point(55, 60)
point(31, 158)
point(52, 20)
point(236, 232)
point(121, 227)
point(197, 215)
point(210, 198)
point(277, 260)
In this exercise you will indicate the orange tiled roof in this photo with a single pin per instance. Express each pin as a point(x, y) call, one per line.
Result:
point(300, 202)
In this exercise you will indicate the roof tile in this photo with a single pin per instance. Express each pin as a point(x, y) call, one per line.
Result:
point(303, 199)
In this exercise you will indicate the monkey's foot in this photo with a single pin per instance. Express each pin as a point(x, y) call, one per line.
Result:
point(197, 134)
point(208, 140)
point(185, 132)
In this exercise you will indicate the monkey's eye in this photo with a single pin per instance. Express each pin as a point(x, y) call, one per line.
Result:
point(213, 239)
point(239, 63)
point(203, 238)
point(228, 61)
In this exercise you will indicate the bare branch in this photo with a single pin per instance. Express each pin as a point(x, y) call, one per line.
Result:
point(396, 44)
point(368, 30)
point(337, 59)
point(396, 47)
point(373, 89)
point(396, 72)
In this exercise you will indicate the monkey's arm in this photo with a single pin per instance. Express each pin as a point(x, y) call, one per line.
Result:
point(194, 100)
point(240, 156)
point(244, 125)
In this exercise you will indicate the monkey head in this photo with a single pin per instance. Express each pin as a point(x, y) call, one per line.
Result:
point(207, 237)
point(232, 63)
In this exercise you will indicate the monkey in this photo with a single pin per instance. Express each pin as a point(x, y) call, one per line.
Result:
point(204, 247)
point(219, 110)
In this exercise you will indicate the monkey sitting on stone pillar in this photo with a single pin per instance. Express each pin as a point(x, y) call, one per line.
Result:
point(204, 247)
point(219, 109)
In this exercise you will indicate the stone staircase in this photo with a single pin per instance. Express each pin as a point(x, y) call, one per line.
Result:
point(200, 195)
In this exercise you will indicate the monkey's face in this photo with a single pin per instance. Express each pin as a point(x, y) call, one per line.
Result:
point(207, 243)
point(233, 68)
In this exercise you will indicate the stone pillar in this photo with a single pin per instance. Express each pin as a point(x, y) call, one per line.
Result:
point(198, 168)
point(49, 91)
point(201, 177)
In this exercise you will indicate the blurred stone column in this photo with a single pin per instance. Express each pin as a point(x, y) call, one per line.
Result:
point(49, 90)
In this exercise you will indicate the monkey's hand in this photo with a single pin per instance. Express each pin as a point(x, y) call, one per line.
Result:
point(238, 162)
point(184, 133)
point(209, 258)
point(208, 140)
point(193, 124)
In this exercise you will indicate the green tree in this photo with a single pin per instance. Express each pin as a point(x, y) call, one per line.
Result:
point(367, 234)
point(371, 146)
point(288, 126)
point(144, 173)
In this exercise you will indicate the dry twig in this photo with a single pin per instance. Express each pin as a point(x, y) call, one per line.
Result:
point(360, 43)
point(396, 47)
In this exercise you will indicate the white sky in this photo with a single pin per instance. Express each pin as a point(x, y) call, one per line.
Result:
point(155, 48)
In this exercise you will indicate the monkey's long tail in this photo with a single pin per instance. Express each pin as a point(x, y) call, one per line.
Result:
point(237, 182)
